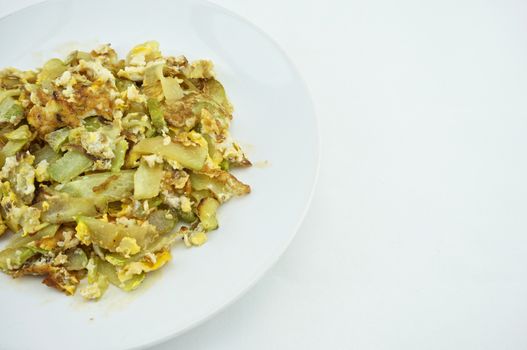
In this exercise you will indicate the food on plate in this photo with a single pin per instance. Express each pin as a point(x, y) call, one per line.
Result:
point(107, 162)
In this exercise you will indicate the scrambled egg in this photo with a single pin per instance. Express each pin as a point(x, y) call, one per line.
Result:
point(128, 246)
point(105, 163)
point(41, 171)
point(97, 144)
point(133, 95)
point(83, 233)
point(198, 238)
point(97, 71)
point(185, 204)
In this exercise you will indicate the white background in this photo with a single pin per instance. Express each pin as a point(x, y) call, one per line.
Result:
point(417, 236)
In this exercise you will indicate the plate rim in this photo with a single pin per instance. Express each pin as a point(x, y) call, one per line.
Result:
point(279, 252)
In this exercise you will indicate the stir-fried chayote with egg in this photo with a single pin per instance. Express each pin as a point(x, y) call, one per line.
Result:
point(106, 162)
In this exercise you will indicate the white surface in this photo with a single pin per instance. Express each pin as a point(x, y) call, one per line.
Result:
point(417, 235)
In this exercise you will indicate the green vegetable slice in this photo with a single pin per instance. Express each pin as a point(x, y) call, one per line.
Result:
point(156, 86)
point(20, 134)
point(216, 91)
point(57, 138)
point(10, 111)
point(192, 157)
point(24, 241)
point(72, 164)
point(163, 242)
point(92, 123)
point(45, 153)
point(8, 93)
point(109, 271)
point(207, 213)
point(221, 183)
point(62, 208)
point(110, 236)
point(156, 114)
point(108, 185)
point(121, 147)
point(187, 217)
point(147, 181)
point(97, 282)
point(10, 149)
point(13, 258)
point(77, 260)
point(163, 220)
point(51, 70)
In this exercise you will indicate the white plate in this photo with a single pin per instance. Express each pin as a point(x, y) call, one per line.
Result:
point(273, 119)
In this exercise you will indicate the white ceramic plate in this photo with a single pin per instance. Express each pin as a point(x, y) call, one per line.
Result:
point(273, 119)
